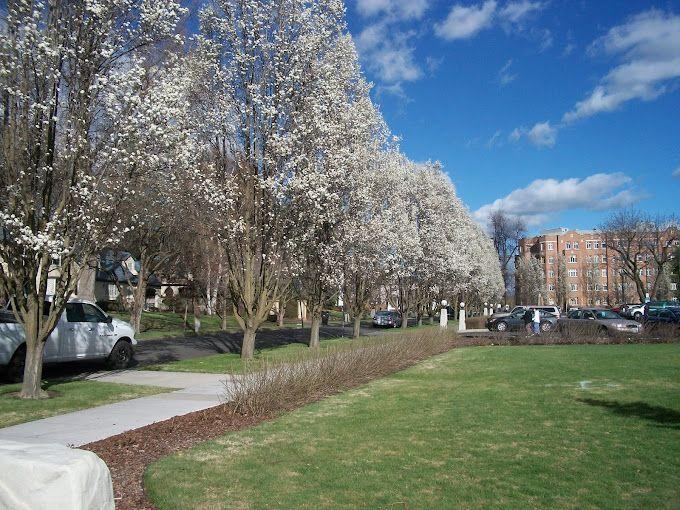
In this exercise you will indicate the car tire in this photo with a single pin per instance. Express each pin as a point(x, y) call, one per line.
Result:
point(501, 326)
point(546, 326)
point(637, 316)
point(15, 368)
point(120, 356)
point(603, 333)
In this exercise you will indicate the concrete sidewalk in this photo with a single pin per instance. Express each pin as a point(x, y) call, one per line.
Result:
point(194, 393)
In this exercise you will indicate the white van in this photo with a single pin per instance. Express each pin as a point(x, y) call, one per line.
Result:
point(83, 332)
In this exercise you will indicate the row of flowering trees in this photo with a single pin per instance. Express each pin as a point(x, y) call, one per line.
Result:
point(252, 147)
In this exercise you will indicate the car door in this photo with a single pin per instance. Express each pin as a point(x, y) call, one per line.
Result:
point(86, 332)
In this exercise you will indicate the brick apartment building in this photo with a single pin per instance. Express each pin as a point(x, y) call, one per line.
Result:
point(593, 275)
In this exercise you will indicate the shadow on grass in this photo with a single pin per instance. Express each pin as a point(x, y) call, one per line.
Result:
point(664, 416)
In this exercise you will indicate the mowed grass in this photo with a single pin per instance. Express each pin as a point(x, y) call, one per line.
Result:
point(157, 325)
point(231, 363)
point(587, 426)
point(69, 396)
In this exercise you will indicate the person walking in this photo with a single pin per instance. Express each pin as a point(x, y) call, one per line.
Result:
point(537, 321)
point(527, 318)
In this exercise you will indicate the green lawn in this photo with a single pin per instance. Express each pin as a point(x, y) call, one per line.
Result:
point(586, 426)
point(231, 363)
point(70, 396)
point(169, 324)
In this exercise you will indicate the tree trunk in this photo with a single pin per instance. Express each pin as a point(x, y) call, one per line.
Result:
point(248, 347)
point(139, 299)
point(357, 327)
point(404, 320)
point(30, 388)
point(186, 313)
point(280, 313)
point(225, 312)
point(314, 331)
point(420, 320)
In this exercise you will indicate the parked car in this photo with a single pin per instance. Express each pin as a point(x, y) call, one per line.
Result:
point(659, 305)
point(515, 321)
point(598, 321)
point(83, 331)
point(633, 311)
point(662, 316)
point(387, 319)
point(553, 310)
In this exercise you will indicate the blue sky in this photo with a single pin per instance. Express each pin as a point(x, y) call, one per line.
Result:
point(558, 111)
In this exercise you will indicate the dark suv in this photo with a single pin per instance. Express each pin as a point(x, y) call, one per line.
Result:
point(387, 319)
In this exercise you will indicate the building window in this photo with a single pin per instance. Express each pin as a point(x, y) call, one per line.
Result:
point(597, 302)
point(551, 273)
point(604, 259)
point(589, 273)
point(576, 245)
point(550, 246)
point(568, 245)
point(551, 260)
point(604, 273)
point(551, 286)
point(649, 272)
point(573, 273)
point(541, 247)
point(573, 287)
point(641, 272)
point(597, 286)
point(572, 258)
point(605, 287)
point(589, 245)
point(596, 259)
point(589, 287)
point(573, 301)
point(674, 286)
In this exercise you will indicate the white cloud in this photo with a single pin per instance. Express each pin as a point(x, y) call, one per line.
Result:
point(388, 54)
point(464, 22)
point(400, 9)
point(648, 47)
point(542, 134)
point(495, 140)
point(515, 12)
point(505, 75)
point(676, 174)
point(543, 198)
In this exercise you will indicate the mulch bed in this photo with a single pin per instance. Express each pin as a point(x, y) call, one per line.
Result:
point(128, 454)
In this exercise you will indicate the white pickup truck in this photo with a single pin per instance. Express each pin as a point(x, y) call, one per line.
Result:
point(83, 332)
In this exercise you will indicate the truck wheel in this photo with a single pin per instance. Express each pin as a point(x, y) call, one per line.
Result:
point(15, 369)
point(120, 356)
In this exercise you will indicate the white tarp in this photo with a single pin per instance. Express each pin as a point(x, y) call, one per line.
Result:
point(50, 476)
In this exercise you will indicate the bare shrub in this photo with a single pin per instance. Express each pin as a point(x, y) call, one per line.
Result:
point(475, 322)
point(266, 388)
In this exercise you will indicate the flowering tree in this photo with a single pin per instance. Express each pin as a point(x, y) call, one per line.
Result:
point(70, 71)
point(270, 58)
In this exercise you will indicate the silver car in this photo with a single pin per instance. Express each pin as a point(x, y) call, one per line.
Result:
point(600, 321)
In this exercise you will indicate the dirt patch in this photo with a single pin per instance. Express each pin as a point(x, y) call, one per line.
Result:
point(50, 394)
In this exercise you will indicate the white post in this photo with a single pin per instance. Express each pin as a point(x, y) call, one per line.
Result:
point(461, 317)
point(485, 309)
point(443, 315)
